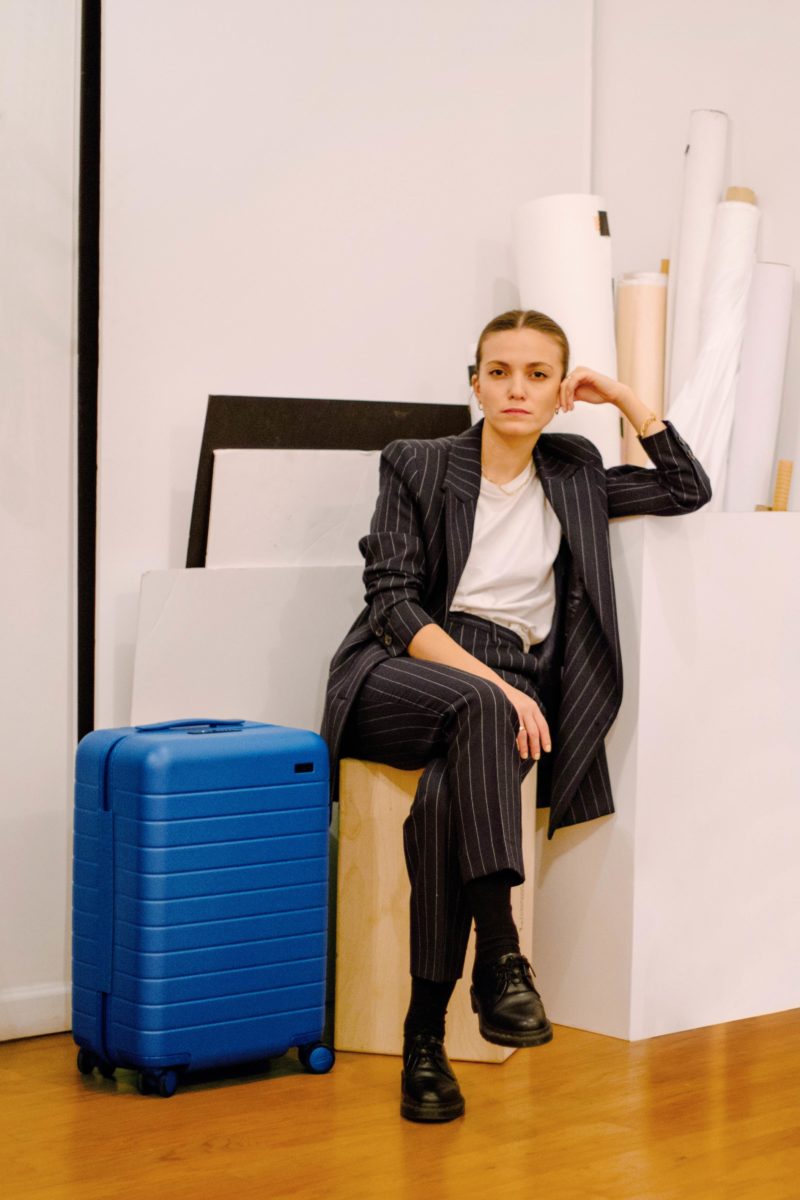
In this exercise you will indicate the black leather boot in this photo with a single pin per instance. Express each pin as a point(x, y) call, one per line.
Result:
point(509, 1008)
point(430, 1090)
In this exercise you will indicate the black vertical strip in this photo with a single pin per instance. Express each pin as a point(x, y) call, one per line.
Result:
point(88, 317)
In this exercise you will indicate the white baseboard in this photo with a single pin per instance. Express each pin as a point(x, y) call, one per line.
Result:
point(30, 1011)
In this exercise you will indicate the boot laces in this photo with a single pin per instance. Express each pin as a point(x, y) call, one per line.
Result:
point(515, 970)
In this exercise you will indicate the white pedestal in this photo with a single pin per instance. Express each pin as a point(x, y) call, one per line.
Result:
point(682, 909)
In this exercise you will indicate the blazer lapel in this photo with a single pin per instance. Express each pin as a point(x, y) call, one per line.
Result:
point(565, 470)
point(462, 485)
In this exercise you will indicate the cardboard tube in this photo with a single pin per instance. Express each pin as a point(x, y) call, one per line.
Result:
point(745, 194)
point(641, 330)
point(783, 484)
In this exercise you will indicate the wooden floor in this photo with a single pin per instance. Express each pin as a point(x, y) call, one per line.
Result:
point(707, 1114)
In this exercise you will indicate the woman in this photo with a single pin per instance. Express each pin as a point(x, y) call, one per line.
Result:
point(490, 642)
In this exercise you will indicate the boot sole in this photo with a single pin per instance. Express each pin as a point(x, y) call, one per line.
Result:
point(501, 1038)
point(415, 1110)
point(430, 1114)
point(504, 1037)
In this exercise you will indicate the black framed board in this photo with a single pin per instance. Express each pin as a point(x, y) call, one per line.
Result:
point(281, 423)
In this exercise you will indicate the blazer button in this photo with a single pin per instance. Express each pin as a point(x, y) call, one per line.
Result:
point(387, 639)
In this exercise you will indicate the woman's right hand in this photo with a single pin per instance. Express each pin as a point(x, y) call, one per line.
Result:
point(534, 734)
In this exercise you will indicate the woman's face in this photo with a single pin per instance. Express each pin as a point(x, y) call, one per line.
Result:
point(519, 381)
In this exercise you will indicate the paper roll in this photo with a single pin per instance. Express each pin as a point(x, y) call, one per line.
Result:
point(703, 410)
point(703, 181)
point(641, 329)
point(760, 386)
point(563, 256)
point(783, 485)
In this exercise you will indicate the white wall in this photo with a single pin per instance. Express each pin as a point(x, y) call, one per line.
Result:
point(308, 200)
point(38, 144)
point(654, 63)
point(304, 200)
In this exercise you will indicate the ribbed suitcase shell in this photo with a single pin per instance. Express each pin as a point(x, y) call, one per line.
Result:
point(200, 893)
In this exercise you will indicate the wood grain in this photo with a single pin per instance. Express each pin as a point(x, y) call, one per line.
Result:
point(372, 938)
point(707, 1115)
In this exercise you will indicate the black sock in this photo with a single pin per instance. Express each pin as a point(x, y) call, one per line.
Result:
point(489, 899)
point(429, 1000)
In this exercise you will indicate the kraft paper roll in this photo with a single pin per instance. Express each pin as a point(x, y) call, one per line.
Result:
point(641, 330)
point(703, 409)
point(563, 256)
point(703, 183)
point(760, 387)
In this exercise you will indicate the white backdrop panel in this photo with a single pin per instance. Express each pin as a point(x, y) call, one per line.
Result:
point(285, 507)
point(39, 94)
point(252, 643)
point(332, 231)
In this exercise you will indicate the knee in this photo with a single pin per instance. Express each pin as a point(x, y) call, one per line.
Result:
point(489, 701)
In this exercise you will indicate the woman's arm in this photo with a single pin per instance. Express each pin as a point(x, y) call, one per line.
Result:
point(394, 555)
point(678, 485)
point(432, 644)
point(395, 579)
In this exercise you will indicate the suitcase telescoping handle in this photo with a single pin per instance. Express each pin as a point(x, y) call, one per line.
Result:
point(190, 726)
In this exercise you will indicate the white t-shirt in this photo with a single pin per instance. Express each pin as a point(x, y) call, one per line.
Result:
point(508, 577)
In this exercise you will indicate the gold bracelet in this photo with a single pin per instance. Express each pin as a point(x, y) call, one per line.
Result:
point(647, 423)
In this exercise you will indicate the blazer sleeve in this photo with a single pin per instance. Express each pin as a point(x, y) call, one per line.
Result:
point(394, 554)
point(677, 485)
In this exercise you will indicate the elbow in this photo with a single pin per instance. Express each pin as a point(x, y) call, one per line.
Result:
point(705, 491)
point(691, 502)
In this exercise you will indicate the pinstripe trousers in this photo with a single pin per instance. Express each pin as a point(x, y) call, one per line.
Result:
point(466, 819)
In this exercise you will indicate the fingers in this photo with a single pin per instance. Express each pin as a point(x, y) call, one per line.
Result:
point(528, 741)
point(585, 384)
point(533, 735)
point(570, 385)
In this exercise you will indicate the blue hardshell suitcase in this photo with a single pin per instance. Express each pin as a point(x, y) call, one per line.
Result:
point(199, 898)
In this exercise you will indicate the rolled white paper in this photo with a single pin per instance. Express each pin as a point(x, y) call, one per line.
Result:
point(641, 317)
point(563, 256)
point(703, 410)
point(757, 406)
point(703, 184)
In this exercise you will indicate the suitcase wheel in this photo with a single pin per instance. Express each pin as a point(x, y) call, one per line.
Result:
point(165, 1083)
point(316, 1057)
point(86, 1061)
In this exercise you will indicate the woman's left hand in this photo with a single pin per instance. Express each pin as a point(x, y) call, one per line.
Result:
point(593, 388)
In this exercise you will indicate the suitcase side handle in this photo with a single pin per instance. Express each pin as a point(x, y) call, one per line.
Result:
point(191, 724)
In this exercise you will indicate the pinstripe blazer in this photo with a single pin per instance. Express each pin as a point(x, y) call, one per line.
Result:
point(417, 548)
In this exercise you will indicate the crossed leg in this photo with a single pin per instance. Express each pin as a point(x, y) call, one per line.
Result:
point(465, 822)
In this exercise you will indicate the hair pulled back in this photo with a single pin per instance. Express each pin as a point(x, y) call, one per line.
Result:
point(521, 318)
